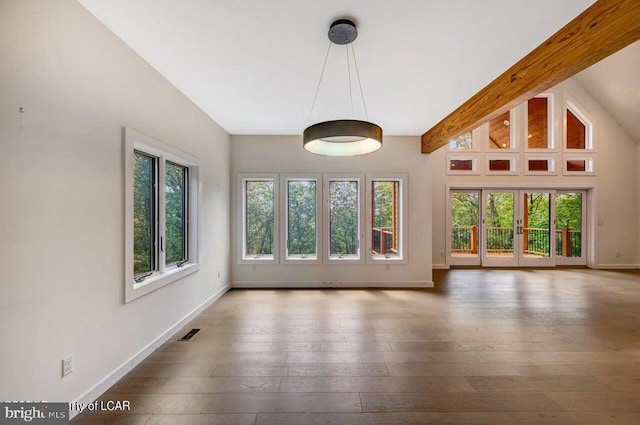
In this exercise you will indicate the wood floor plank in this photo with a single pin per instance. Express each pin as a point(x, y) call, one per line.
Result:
point(537, 383)
point(420, 418)
point(628, 382)
point(284, 402)
point(373, 384)
point(458, 402)
point(340, 357)
point(450, 369)
point(204, 419)
point(592, 369)
point(598, 402)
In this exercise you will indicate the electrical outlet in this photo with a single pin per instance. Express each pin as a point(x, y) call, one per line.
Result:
point(67, 365)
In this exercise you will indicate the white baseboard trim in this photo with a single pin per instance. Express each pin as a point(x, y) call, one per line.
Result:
point(108, 381)
point(344, 284)
point(617, 266)
point(440, 267)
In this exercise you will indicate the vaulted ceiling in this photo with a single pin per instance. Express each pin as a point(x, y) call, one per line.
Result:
point(615, 83)
point(254, 65)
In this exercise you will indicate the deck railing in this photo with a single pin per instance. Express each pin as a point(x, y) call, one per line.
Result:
point(382, 238)
point(568, 242)
point(537, 241)
point(499, 239)
point(464, 240)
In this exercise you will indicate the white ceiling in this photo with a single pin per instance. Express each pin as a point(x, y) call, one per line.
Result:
point(253, 65)
point(615, 83)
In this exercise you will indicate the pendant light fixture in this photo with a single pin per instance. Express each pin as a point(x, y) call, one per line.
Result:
point(345, 137)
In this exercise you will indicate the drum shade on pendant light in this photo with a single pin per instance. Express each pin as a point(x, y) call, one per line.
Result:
point(345, 137)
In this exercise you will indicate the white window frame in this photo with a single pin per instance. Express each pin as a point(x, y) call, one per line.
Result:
point(242, 257)
point(550, 125)
point(359, 258)
point(570, 105)
point(284, 189)
point(164, 275)
point(402, 179)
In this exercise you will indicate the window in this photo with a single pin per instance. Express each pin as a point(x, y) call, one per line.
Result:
point(463, 142)
point(539, 165)
point(578, 166)
point(259, 196)
point(160, 224)
point(343, 218)
point(500, 132)
point(539, 115)
point(457, 164)
point(145, 231)
point(301, 221)
point(177, 223)
point(577, 129)
point(501, 165)
point(386, 215)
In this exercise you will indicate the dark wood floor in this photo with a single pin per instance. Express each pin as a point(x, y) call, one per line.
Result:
point(482, 347)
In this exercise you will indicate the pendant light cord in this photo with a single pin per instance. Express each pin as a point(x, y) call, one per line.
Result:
point(319, 82)
point(349, 74)
point(364, 105)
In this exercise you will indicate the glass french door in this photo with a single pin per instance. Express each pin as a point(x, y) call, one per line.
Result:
point(464, 244)
point(518, 228)
point(570, 207)
point(500, 228)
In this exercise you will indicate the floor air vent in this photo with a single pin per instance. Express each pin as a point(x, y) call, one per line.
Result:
point(189, 334)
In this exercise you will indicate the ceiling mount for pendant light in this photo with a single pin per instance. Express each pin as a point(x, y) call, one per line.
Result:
point(345, 137)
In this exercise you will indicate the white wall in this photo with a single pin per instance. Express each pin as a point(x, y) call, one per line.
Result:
point(284, 154)
point(616, 183)
point(62, 199)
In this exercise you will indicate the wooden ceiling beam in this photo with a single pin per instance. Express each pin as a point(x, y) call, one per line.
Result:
point(601, 30)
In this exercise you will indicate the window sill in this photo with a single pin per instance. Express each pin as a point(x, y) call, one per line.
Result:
point(382, 259)
point(150, 284)
point(258, 260)
point(302, 260)
point(346, 259)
